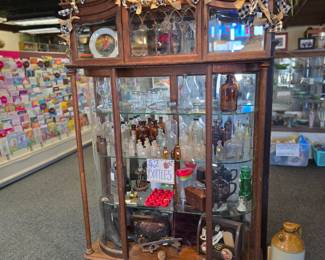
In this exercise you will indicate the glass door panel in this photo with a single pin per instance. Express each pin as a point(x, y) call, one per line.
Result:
point(97, 40)
point(227, 33)
point(105, 161)
point(232, 154)
point(163, 147)
point(163, 31)
point(149, 135)
point(191, 124)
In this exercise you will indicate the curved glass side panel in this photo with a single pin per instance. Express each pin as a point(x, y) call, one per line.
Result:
point(298, 95)
point(104, 154)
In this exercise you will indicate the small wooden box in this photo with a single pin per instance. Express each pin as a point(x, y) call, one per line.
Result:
point(195, 197)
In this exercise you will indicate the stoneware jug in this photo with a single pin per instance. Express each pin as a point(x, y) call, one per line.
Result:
point(287, 243)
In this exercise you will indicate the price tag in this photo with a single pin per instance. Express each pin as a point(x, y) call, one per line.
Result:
point(161, 171)
point(287, 150)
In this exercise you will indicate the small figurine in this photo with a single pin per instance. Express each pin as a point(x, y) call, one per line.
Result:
point(162, 255)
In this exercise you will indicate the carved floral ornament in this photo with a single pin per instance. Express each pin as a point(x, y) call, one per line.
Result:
point(251, 12)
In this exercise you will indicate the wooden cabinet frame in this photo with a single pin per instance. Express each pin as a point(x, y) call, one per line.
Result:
point(200, 63)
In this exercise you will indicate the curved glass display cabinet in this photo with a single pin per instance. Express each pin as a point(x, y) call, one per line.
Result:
point(298, 92)
point(179, 136)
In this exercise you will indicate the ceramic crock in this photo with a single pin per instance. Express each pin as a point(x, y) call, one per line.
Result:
point(287, 243)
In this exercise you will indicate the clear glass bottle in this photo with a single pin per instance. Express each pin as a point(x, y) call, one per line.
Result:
point(162, 124)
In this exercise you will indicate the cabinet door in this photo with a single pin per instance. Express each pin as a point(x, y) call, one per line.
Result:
point(229, 37)
point(233, 112)
point(162, 34)
point(163, 147)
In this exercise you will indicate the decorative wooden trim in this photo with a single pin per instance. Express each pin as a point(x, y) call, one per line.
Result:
point(259, 121)
point(83, 182)
point(209, 188)
point(236, 4)
point(300, 53)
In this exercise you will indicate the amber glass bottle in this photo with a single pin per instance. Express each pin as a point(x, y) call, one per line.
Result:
point(229, 94)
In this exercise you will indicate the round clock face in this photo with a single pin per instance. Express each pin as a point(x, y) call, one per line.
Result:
point(103, 43)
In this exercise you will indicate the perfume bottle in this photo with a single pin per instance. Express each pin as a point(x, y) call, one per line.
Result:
point(229, 94)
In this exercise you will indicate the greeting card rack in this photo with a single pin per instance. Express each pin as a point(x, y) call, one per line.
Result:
point(179, 128)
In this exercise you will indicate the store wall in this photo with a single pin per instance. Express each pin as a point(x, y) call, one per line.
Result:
point(11, 40)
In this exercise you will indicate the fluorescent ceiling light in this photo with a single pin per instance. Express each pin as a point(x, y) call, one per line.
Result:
point(35, 21)
point(3, 19)
point(41, 30)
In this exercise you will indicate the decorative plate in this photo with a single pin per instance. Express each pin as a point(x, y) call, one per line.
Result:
point(103, 43)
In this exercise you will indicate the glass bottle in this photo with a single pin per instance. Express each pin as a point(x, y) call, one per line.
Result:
point(217, 134)
point(247, 144)
point(125, 138)
point(245, 190)
point(219, 151)
point(185, 94)
point(162, 124)
point(161, 139)
point(176, 154)
point(165, 153)
point(311, 117)
point(154, 130)
point(197, 139)
point(228, 129)
point(132, 143)
point(229, 94)
point(171, 134)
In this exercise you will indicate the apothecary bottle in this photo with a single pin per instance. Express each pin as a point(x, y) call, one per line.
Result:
point(229, 94)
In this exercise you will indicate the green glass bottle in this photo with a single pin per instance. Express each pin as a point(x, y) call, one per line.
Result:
point(245, 183)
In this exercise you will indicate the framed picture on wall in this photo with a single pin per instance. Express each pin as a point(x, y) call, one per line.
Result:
point(306, 43)
point(282, 39)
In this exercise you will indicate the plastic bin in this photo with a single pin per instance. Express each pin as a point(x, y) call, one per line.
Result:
point(319, 156)
point(301, 160)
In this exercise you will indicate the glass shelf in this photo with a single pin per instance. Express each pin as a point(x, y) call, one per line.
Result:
point(247, 110)
point(200, 161)
point(231, 211)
